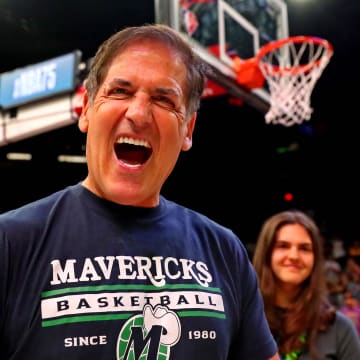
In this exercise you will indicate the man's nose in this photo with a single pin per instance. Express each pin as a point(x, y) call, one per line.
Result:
point(139, 109)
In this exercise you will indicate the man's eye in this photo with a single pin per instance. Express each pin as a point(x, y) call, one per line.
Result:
point(117, 92)
point(164, 102)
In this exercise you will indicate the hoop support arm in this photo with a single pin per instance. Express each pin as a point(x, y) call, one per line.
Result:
point(236, 90)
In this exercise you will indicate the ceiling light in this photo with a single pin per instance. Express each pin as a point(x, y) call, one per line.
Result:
point(19, 156)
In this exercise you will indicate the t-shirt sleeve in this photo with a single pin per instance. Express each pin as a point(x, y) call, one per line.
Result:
point(4, 265)
point(347, 338)
point(256, 341)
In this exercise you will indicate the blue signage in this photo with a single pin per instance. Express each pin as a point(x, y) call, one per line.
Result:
point(33, 82)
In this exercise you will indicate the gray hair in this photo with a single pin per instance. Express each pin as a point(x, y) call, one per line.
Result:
point(197, 69)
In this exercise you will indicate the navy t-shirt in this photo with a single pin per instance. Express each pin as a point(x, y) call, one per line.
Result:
point(84, 278)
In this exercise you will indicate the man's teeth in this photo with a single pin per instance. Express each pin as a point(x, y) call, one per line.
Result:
point(138, 142)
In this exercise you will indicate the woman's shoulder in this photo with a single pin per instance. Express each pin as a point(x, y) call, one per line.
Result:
point(346, 332)
point(343, 327)
point(343, 321)
point(340, 340)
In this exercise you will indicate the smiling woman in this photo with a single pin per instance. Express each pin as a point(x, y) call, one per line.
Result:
point(289, 261)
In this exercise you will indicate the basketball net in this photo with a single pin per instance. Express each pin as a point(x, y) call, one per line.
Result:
point(291, 68)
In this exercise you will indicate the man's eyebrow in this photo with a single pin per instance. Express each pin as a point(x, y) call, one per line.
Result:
point(167, 91)
point(119, 81)
point(158, 90)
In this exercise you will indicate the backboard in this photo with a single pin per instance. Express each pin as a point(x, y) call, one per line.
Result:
point(221, 29)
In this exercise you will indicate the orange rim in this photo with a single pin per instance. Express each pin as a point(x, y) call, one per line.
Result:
point(277, 44)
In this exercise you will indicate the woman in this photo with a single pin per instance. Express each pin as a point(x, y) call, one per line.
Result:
point(288, 259)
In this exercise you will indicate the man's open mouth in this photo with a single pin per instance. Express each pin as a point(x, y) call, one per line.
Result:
point(132, 151)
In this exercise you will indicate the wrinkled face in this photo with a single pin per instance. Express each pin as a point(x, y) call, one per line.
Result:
point(136, 126)
point(292, 259)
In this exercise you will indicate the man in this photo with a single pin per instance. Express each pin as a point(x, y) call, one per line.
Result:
point(109, 268)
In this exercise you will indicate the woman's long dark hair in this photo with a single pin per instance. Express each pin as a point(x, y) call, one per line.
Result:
point(312, 312)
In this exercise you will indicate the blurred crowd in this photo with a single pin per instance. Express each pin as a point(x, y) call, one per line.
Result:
point(342, 268)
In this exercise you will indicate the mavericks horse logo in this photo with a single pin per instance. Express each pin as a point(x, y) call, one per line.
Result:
point(150, 335)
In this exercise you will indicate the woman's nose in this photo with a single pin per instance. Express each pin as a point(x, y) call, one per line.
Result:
point(293, 252)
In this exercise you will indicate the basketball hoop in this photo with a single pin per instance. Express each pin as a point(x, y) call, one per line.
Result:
point(291, 67)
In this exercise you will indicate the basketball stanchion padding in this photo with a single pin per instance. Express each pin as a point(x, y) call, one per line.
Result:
point(291, 68)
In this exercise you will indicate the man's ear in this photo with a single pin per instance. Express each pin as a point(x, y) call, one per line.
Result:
point(190, 125)
point(83, 122)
